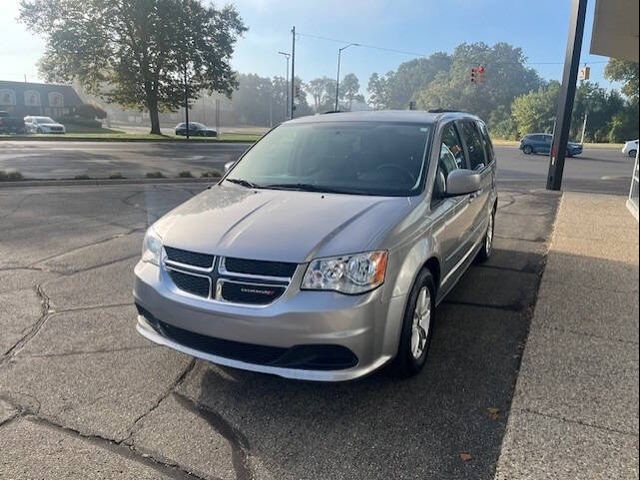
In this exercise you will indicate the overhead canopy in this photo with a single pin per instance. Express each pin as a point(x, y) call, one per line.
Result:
point(615, 29)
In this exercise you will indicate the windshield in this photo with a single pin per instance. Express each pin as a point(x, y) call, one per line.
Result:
point(366, 158)
point(44, 120)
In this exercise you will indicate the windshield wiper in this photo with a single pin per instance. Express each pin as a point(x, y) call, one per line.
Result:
point(243, 182)
point(309, 187)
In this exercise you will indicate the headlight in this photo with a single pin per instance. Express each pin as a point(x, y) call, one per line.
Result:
point(351, 274)
point(151, 247)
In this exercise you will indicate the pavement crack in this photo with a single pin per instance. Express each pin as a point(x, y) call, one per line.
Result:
point(46, 312)
point(239, 444)
point(134, 426)
point(88, 352)
point(126, 451)
point(579, 422)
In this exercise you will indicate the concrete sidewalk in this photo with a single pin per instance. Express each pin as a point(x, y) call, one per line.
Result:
point(575, 411)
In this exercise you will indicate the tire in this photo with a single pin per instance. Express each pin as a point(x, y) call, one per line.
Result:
point(485, 252)
point(38, 130)
point(633, 153)
point(412, 356)
point(527, 150)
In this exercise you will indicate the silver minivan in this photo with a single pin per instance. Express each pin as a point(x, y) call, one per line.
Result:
point(325, 250)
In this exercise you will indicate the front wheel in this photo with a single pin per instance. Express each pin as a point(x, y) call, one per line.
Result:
point(633, 153)
point(417, 327)
point(527, 150)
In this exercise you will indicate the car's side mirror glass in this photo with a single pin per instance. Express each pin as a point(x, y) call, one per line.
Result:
point(463, 182)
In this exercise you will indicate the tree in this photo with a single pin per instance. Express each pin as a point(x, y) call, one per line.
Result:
point(535, 111)
point(626, 72)
point(506, 78)
point(397, 88)
point(323, 93)
point(142, 50)
point(349, 88)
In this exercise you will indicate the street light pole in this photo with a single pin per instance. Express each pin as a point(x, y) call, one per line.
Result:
point(186, 100)
point(286, 86)
point(338, 74)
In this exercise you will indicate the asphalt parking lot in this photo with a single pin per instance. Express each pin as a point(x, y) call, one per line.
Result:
point(82, 395)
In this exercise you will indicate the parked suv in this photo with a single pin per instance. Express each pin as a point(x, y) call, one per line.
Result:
point(324, 252)
point(541, 143)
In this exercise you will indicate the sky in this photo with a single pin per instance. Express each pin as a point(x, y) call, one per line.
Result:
point(539, 27)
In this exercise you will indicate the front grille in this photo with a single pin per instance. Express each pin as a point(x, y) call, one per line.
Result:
point(201, 260)
point(232, 280)
point(252, 294)
point(196, 285)
point(259, 267)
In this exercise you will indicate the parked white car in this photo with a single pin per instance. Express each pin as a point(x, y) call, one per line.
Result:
point(43, 125)
point(630, 148)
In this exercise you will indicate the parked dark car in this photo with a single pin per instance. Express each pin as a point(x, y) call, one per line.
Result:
point(9, 124)
point(196, 130)
point(541, 143)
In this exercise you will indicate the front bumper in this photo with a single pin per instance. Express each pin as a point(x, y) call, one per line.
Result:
point(367, 325)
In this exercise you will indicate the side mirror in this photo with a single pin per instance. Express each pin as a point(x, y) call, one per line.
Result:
point(228, 165)
point(463, 182)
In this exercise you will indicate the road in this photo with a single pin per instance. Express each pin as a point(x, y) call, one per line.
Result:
point(598, 169)
point(76, 377)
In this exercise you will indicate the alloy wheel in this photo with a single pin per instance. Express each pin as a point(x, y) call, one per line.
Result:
point(421, 323)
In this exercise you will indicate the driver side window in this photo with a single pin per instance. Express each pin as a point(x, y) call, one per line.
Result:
point(451, 158)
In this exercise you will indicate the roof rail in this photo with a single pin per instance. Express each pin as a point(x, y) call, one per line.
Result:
point(444, 110)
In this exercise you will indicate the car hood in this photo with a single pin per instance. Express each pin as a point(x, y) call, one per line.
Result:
point(280, 225)
point(50, 125)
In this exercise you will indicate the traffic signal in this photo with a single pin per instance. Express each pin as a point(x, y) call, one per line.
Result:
point(480, 74)
point(474, 75)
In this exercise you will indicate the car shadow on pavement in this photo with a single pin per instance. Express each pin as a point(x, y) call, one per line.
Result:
point(448, 422)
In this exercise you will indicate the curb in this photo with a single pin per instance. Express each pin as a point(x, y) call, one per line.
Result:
point(106, 181)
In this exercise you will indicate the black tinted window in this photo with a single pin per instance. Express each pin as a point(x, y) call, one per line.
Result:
point(486, 141)
point(475, 147)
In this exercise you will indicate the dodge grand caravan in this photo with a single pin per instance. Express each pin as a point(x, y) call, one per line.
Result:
point(324, 251)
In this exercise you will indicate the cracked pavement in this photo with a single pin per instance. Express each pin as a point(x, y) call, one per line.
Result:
point(82, 395)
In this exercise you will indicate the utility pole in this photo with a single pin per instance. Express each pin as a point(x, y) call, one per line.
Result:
point(293, 70)
point(338, 74)
point(584, 128)
point(286, 86)
point(186, 100)
point(567, 95)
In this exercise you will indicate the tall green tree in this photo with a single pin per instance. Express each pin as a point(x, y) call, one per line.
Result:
point(323, 93)
point(626, 72)
point(349, 90)
point(535, 111)
point(137, 53)
point(396, 89)
point(506, 77)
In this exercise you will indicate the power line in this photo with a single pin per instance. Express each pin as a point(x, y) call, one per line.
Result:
point(423, 55)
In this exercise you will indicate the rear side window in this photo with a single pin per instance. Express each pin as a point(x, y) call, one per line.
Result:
point(474, 143)
point(486, 141)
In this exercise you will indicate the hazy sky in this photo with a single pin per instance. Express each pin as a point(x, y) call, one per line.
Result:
point(420, 26)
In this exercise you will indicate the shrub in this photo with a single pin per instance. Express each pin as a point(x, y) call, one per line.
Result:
point(84, 176)
point(10, 176)
point(155, 175)
point(185, 174)
point(116, 176)
point(211, 174)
